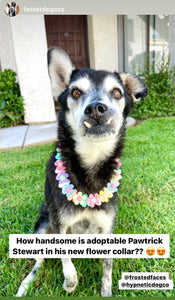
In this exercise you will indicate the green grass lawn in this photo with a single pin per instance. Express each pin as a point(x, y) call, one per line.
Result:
point(146, 205)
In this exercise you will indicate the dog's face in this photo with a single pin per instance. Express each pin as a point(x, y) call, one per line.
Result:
point(12, 9)
point(95, 103)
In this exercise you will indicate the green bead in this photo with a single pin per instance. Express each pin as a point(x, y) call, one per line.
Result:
point(58, 156)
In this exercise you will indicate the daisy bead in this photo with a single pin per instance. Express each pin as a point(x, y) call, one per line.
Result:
point(93, 200)
point(68, 189)
point(112, 186)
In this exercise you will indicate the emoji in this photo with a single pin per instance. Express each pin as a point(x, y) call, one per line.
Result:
point(150, 251)
point(161, 251)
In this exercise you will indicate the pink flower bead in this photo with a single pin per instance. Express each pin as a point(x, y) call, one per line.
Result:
point(79, 198)
point(68, 190)
point(59, 163)
point(116, 174)
point(112, 185)
point(60, 168)
point(93, 200)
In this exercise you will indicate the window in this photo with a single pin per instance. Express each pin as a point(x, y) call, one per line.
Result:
point(159, 37)
point(140, 35)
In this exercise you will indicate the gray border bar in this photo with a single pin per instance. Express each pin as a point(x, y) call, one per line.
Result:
point(117, 7)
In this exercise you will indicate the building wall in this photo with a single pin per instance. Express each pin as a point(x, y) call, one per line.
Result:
point(172, 40)
point(30, 46)
point(7, 57)
point(30, 52)
point(102, 34)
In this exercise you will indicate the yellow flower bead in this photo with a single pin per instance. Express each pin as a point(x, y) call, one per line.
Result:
point(104, 195)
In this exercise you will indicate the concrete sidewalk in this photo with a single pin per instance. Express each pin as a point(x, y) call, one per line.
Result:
point(30, 135)
point(27, 135)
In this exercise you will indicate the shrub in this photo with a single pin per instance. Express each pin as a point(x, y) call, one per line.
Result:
point(161, 99)
point(11, 101)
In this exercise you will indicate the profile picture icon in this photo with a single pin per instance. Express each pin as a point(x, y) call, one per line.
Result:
point(11, 9)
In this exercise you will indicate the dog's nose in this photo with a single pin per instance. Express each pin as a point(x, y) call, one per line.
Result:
point(95, 110)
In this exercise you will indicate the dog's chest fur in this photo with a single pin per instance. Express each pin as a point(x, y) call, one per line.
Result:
point(88, 221)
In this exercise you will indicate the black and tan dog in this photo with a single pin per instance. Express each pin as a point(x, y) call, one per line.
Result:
point(94, 106)
point(11, 9)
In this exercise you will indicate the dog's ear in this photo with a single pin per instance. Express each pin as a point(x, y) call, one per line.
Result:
point(60, 69)
point(134, 86)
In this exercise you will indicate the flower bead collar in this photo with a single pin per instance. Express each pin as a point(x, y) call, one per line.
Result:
point(77, 197)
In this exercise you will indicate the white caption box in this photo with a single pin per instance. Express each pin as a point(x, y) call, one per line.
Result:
point(88, 246)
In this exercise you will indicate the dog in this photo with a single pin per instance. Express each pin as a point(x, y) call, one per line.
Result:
point(93, 110)
point(11, 9)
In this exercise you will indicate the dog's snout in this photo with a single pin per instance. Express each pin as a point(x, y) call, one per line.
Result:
point(95, 110)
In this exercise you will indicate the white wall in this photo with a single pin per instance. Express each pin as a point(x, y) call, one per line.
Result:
point(7, 58)
point(172, 40)
point(30, 47)
point(102, 34)
point(30, 52)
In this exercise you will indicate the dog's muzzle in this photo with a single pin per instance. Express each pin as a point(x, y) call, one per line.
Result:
point(98, 120)
point(95, 110)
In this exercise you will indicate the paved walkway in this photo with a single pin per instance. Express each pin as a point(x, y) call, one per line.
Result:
point(30, 135)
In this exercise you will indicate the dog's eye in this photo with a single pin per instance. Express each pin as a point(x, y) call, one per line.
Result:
point(116, 93)
point(76, 93)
